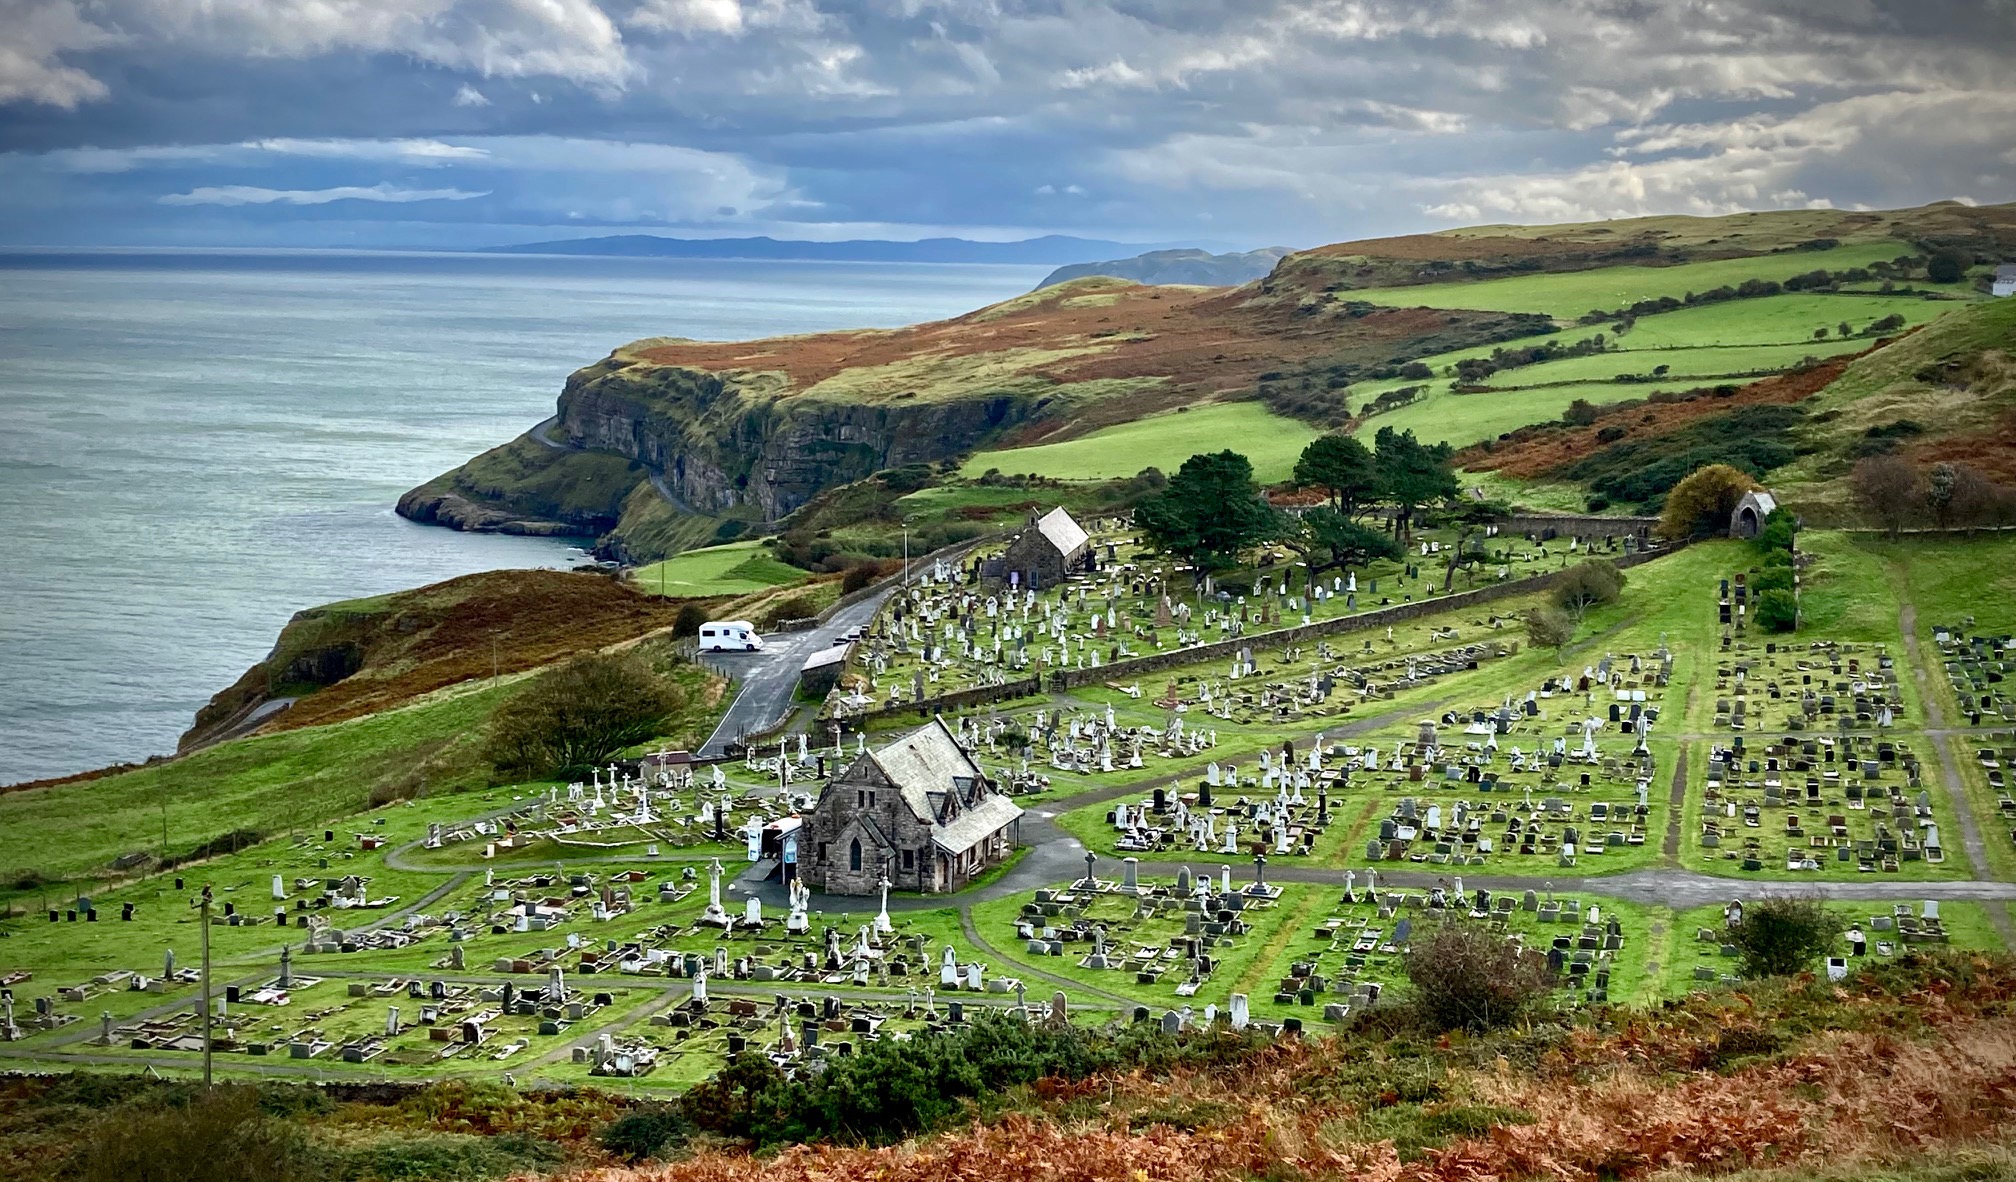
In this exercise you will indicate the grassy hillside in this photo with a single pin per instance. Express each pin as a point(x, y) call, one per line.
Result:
point(1162, 441)
point(1953, 382)
point(1568, 295)
point(1079, 381)
point(347, 659)
point(738, 568)
point(295, 780)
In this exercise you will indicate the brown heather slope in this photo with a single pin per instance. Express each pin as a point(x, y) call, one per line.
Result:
point(1911, 1064)
point(1541, 450)
point(1205, 341)
point(343, 660)
point(1485, 252)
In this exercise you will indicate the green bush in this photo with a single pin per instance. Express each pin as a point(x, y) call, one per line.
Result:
point(572, 718)
point(794, 607)
point(1772, 578)
point(1777, 610)
point(647, 1132)
point(1948, 266)
point(1779, 937)
point(1582, 587)
point(1467, 977)
point(887, 1091)
point(1778, 533)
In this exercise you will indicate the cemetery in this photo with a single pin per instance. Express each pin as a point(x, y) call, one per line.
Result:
point(1263, 834)
point(995, 617)
point(1535, 789)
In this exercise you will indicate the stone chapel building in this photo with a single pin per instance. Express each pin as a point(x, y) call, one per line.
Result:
point(920, 806)
point(1051, 547)
point(1748, 519)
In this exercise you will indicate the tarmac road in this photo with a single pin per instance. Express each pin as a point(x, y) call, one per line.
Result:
point(767, 679)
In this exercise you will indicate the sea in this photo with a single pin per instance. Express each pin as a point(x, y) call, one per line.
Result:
point(196, 445)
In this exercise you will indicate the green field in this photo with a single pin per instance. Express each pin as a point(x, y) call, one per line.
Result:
point(1270, 441)
point(1703, 363)
point(739, 568)
point(1462, 419)
point(1780, 319)
point(1700, 345)
point(1572, 293)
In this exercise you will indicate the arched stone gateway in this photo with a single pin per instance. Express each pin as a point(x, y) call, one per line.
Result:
point(1748, 519)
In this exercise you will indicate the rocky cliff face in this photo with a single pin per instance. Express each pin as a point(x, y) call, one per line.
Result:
point(728, 451)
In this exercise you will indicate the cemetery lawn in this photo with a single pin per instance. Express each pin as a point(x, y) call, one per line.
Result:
point(1162, 441)
point(1570, 294)
point(995, 921)
point(1967, 927)
point(738, 568)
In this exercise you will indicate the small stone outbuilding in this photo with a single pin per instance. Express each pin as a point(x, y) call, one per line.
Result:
point(1748, 519)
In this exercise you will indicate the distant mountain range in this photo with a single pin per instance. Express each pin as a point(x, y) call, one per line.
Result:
point(1049, 250)
point(1199, 267)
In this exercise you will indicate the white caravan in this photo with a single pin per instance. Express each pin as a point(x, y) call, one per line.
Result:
point(729, 636)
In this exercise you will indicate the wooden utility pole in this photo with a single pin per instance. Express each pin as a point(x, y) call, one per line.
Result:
point(205, 907)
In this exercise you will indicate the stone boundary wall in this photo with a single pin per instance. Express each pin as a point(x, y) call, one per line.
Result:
point(1065, 679)
point(1061, 680)
point(1576, 525)
point(921, 561)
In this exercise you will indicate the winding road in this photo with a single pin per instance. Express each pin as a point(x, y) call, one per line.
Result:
point(766, 680)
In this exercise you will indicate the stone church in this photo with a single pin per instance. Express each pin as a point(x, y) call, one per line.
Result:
point(1049, 548)
point(919, 806)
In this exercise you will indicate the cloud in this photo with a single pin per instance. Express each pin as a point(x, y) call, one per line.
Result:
point(1755, 161)
point(39, 34)
point(1282, 120)
point(253, 195)
point(409, 151)
point(570, 39)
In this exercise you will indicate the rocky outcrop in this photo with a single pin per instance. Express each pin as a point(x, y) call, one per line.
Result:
point(727, 451)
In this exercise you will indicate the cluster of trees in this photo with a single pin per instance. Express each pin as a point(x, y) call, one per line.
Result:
point(1212, 511)
point(1895, 493)
point(1773, 588)
point(575, 717)
point(1575, 592)
point(889, 1090)
point(1471, 370)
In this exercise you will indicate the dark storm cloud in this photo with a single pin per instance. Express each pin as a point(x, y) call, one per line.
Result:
point(1288, 120)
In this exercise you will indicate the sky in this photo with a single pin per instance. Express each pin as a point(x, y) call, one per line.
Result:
point(1232, 123)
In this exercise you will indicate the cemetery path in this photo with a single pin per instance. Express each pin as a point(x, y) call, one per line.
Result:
point(769, 678)
point(1949, 768)
point(1673, 888)
point(1676, 802)
point(973, 937)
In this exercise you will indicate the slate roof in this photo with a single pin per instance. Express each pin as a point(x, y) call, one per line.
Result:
point(928, 760)
point(987, 815)
point(1061, 531)
point(926, 766)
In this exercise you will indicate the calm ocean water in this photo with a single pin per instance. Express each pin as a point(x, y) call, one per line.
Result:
point(195, 446)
